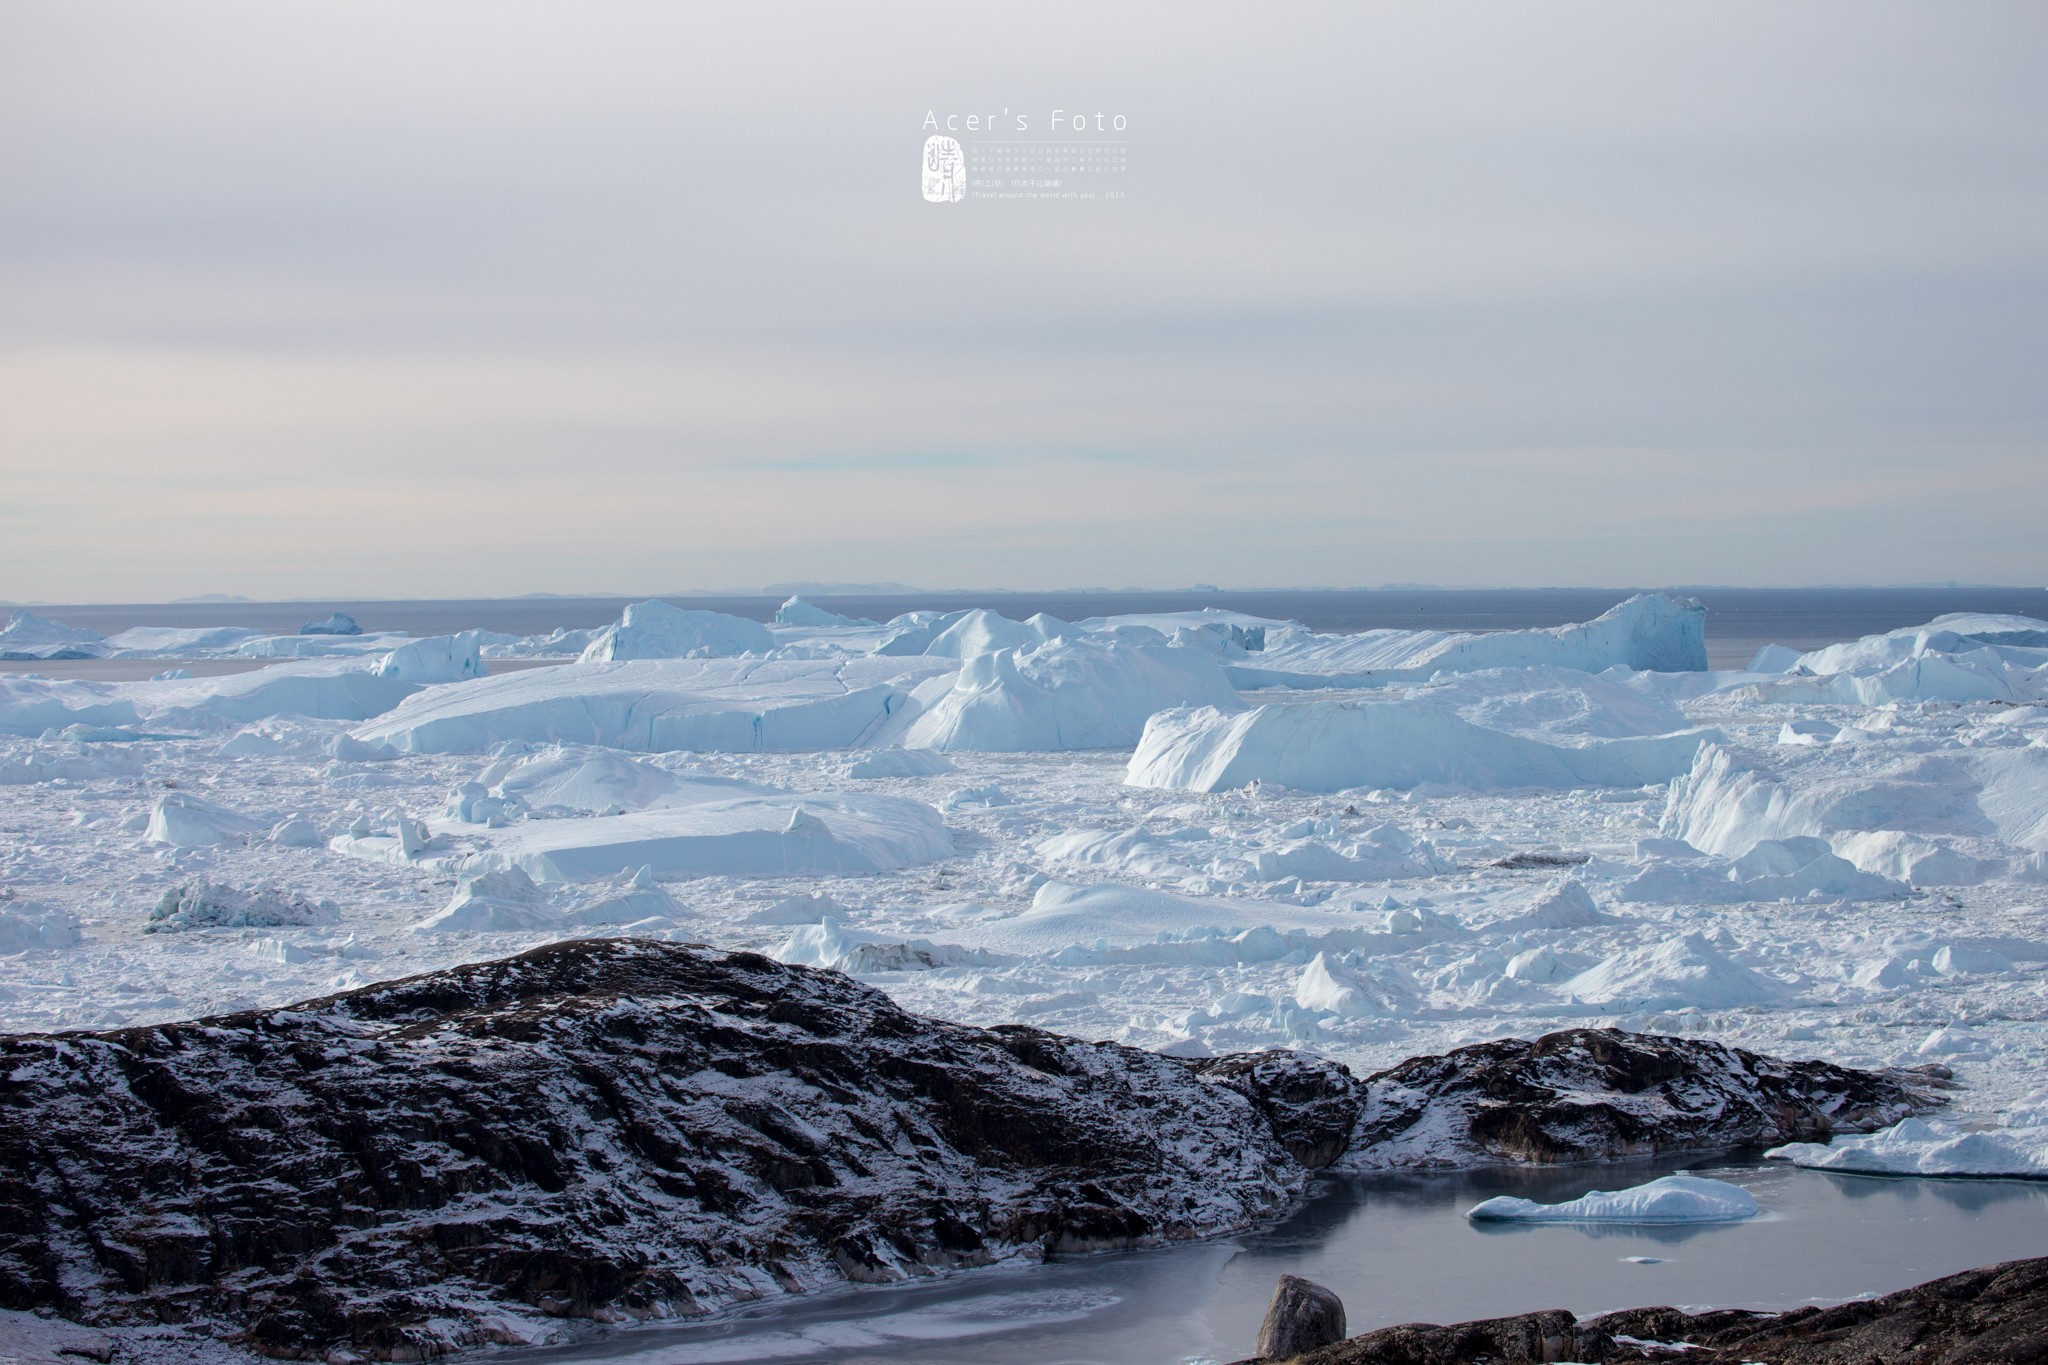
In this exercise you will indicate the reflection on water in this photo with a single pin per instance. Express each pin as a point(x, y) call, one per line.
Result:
point(1397, 1249)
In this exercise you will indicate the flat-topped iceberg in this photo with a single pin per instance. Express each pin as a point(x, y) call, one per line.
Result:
point(709, 705)
point(656, 630)
point(781, 835)
point(1927, 1147)
point(1335, 745)
point(1672, 1199)
point(29, 636)
point(1650, 632)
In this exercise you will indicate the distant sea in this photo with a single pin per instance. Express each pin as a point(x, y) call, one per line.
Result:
point(1739, 620)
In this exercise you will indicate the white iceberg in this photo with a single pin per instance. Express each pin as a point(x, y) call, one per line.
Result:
point(181, 820)
point(1067, 694)
point(656, 630)
point(758, 836)
point(496, 900)
point(1672, 1199)
point(31, 926)
point(1650, 632)
point(436, 659)
point(628, 899)
point(29, 636)
point(1675, 974)
point(706, 705)
point(1328, 746)
point(797, 612)
point(581, 779)
point(1927, 1147)
point(30, 705)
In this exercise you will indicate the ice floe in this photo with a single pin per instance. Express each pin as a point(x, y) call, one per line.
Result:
point(1928, 1147)
point(1671, 1199)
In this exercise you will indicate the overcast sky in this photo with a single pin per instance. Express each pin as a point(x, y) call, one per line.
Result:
point(437, 299)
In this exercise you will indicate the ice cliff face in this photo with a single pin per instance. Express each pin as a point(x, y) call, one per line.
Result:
point(622, 1128)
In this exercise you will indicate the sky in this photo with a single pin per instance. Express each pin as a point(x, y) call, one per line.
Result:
point(477, 299)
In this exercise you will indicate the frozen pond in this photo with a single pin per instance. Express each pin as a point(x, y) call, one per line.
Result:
point(1397, 1249)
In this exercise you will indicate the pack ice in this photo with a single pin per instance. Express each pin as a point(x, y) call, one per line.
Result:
point(1197, 832)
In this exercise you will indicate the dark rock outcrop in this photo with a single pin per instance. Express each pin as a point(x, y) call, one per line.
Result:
point(628, 1129)
point(1601, 1094)
point(1996, 1314)
point(1302, 1316)
point(609, 1129)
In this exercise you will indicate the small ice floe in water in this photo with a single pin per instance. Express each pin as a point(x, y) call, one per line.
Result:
point(1927, 1147)
point(1673, 1199)
point(1644, 1260)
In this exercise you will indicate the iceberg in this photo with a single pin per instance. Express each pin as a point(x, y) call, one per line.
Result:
point(797, 612)
point(437, 659)
point(498, 900)
point(30, 705)
point(1066, 694)
point(29, 636)
point(337, 623)
point(1650, 632)
point(30, 926)
point(656, 630)
point(628, 899)
point(1675, 974)
point(1927, 1147)
point(182, 820)
point(666, 705)
point(1672, 1199)
point(1726, 805)
point(203, 904)
point(578, 779)
point(321, 689)
point(759, 836)
point(1328, 746)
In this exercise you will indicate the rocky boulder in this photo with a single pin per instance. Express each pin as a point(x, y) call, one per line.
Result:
point(606, 1129)
point(1997, 1314)
point(1600, 1094)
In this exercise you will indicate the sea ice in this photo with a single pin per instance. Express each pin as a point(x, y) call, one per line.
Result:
point(30, 926)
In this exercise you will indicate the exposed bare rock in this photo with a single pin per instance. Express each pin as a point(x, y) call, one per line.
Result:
point(1601, 1094)
point(629, 1129)
point(1997, 1314)
point(1302, 1316)
point(603, 1129)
